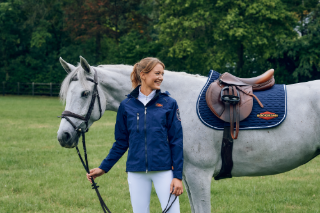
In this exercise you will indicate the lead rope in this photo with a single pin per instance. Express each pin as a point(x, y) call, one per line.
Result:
point(167, 209)
point(86, 167)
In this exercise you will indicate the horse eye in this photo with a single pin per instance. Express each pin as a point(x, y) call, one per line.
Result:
point(85, 93)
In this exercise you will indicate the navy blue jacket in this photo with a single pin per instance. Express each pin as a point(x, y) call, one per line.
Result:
point(153, 134)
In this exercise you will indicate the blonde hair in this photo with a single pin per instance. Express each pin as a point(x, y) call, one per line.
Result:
point(145, 65)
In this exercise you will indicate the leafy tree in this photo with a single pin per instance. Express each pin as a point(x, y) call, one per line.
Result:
point(103, 19)
point(187, 34)
point(301, 9)
point(301, 56)
point(36, 28)
point(244, 37)
point(11, 37)
point(226, 35)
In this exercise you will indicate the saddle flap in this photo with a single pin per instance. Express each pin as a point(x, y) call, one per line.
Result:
point(213, 99)
point(222, 110)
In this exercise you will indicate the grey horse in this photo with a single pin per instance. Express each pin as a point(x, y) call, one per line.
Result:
point(255, 152)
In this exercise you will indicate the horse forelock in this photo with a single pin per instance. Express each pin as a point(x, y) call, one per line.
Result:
point(81, 74)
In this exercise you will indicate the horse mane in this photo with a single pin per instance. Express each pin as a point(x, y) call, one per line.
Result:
point(81, 74)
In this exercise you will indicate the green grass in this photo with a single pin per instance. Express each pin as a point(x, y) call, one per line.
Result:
point(37, 175)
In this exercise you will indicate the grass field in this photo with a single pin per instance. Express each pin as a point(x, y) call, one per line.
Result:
point(37, 175)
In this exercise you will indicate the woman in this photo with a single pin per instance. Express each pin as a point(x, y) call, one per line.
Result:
point(148, 123)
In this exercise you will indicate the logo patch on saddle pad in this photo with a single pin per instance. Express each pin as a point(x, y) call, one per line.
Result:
point(178, 115)
point(159, 105)
point(267, 115)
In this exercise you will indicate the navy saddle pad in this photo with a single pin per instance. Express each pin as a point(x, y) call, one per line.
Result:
point(272, 114)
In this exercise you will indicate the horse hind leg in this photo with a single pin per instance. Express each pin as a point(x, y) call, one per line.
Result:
point(198, 185)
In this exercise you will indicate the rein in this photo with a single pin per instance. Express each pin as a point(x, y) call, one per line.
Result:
point(83, 128)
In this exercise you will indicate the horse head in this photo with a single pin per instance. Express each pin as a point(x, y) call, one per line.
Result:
point(85, 101)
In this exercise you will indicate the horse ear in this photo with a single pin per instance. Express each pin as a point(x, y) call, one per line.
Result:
point(84, 64)
point(67, 67)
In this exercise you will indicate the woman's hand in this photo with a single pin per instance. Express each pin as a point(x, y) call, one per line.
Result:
point(176, 184)
point(94, 173)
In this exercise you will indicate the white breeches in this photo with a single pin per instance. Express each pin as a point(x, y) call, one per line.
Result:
point(140, 184)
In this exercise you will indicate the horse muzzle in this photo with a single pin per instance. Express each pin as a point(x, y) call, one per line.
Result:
point(68, 139)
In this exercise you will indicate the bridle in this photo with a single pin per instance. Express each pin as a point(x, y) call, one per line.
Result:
point(83, 128)
point(95, 94)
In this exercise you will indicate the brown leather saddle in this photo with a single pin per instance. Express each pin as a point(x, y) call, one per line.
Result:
point(231, 98)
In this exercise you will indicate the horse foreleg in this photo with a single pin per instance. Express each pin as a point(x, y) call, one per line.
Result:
point(198, 183)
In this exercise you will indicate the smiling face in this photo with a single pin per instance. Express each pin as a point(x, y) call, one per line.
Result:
point(153, 79)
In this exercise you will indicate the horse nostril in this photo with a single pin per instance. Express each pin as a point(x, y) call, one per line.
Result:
point(66, 136)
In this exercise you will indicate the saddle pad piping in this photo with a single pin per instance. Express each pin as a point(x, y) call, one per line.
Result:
point(197, 107)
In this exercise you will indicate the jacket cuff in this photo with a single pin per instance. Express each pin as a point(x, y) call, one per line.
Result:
point(177, 174)
point(104, 167)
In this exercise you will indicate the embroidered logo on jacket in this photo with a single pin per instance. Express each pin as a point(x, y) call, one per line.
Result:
point(267, 115)
point(159, 105)
point(178, 115)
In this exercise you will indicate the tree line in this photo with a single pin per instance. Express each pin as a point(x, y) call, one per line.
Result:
point(243, 37)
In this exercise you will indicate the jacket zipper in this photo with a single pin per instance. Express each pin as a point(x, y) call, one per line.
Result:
point(145, 136)
point(145, 131)
point(138, 122)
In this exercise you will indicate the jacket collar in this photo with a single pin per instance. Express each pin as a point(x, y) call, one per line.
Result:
point(135, 93)
point(150, 96)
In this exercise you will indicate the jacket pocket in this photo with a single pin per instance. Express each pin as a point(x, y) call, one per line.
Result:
point(137, 122)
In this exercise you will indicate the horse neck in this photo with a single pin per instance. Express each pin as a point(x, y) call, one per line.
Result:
point(115, 84)
point(180, 85)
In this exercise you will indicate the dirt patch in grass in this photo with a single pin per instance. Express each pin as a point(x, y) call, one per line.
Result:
point(99, 124)
point(39, 126)
point(292, 207)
